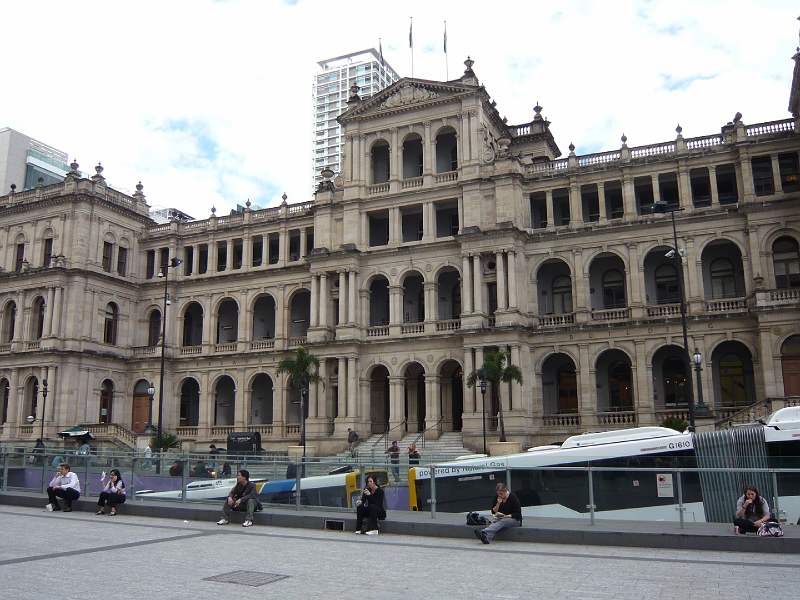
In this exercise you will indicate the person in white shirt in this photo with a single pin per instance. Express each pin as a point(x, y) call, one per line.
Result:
point(113, 492)
point(64, 485)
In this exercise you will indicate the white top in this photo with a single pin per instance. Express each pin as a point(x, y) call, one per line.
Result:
point(68, 480)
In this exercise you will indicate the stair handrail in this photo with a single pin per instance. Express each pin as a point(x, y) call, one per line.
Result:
point(385, 436)
point(421, 437)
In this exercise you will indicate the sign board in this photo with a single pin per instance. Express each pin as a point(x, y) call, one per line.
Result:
point(664, 485)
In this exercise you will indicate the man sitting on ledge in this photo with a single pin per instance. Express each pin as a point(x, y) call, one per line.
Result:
point(507, 513)
point(243, 496)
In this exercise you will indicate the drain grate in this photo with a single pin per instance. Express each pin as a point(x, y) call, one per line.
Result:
point(251, 578)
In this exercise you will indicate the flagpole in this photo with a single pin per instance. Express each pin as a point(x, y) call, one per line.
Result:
point(411, 45)
point(446, 66)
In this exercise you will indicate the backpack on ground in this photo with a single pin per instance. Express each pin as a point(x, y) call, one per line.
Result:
point(770, 529)
point(474, 519)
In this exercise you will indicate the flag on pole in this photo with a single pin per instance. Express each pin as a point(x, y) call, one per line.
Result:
point(445, 37)
point(411, 34)
point(380, 49)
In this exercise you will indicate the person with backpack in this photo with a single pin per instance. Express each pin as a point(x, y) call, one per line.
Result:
point(751, 511)
point(352, 441)
point(507, 512)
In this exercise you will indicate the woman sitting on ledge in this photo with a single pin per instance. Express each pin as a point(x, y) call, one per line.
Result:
point(751, 511)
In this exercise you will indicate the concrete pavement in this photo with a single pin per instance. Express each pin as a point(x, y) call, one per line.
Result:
point(80, 555)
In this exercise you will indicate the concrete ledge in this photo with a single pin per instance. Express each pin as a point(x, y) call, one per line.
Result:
point(716, 537)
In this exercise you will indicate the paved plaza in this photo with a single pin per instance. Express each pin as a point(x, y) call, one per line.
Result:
point(80, 555)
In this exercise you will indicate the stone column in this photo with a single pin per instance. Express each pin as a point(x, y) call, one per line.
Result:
point(324, 299)
point(57, 308)
point(548, 205)
point(502, 302)
point(314, 321)
point(776, 174)
point(48, 316)
point(352, 297)
point(428, 150)
point(628, 198)
point(396, 157)
point(601, 203)
point(712, 185)
point(587, 395)
point(342, 297)
point(515, 402)
point(643, 390)
point(575, 206)
point(469, 393)
point(656, 188)
point(466, 285)
point(196, 260)
point(433, 409)
point(513, 300)
point(431, 296)
point(397, 387)
point(477, 285)
point(352, 388)
point(342, 383)
point(395, 305)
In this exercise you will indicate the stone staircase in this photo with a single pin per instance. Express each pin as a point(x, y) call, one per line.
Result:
point(446, 448)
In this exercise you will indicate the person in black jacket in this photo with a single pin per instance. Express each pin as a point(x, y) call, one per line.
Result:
point(371, 506)
point(243, 496)
point(507, 513)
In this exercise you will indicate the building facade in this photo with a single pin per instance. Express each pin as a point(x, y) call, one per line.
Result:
point(447, 235)
point(23, 160)
point(330, 90)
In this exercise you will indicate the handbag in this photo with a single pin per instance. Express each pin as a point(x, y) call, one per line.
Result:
point(770, 529)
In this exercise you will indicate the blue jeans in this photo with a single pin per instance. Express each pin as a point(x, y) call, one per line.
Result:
point(496, 526)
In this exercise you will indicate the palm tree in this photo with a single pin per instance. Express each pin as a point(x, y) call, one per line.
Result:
point(302, 369)
point(496, 370)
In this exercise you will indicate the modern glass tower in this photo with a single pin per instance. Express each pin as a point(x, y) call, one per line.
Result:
point(330, 91)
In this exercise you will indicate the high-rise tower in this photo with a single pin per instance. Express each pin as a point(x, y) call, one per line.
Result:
point(330, 90)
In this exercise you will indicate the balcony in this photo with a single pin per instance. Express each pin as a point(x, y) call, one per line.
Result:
point(225, 348)
point(376, 332)
point(144, 351)
point(448, 325)
point(557, 320)
point(777, 299)
point(617, 418)
point(611, 315)
point(561, 421)
point(191, 350)
point(729, 305)
point(661, 311)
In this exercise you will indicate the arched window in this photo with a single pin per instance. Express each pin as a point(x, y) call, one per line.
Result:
point(380, 162)
point(673, 373)
point(667, 291)
point(110, 326)
point(731, 380)
point(786, 261)
point(723, 279)
point(567, 384)
point(620, 390)
point(613, 289)
point(37, 323)
point(4, 395)
point(106, 401)
point(9, 321)
point(154, 328)
point(562, 295)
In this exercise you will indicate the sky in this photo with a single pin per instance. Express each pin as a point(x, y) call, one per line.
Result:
point(208, 103)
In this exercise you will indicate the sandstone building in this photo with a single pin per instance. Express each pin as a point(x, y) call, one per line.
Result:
point(447, 234)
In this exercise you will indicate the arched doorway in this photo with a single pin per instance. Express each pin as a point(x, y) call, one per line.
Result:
point(140, 415)
point(452, 395)
point(190, 403)
point(790, 361)
point(106, 402)
point(379, 399)
point(415, 397)
point(261, 405)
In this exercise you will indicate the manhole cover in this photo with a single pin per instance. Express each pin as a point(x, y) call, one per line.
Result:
point(251, 578)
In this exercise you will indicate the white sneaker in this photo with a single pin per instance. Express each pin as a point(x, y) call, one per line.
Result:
point(247, 524)
point(373, 532)
point(49, 508)
point(222, 522)
point(359, 532)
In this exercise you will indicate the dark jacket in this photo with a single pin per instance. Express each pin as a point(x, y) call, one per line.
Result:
point(376, 498)
point(510, 507)
point(244, 493)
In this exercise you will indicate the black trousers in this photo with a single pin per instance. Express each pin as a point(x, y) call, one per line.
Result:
point(373, 512)
point(69, 495)
point(745, 526)
point(111, 499)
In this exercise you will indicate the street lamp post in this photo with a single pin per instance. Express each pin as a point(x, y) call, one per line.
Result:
point(698, 360)
point(482, 382)
point(150, 428)
point(662, 207)
point(174, 262)
point(32, 418)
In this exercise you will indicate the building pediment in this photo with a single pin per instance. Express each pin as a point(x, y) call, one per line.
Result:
point(408, 94)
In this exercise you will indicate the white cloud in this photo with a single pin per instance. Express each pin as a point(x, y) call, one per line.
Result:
point(208, 103)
